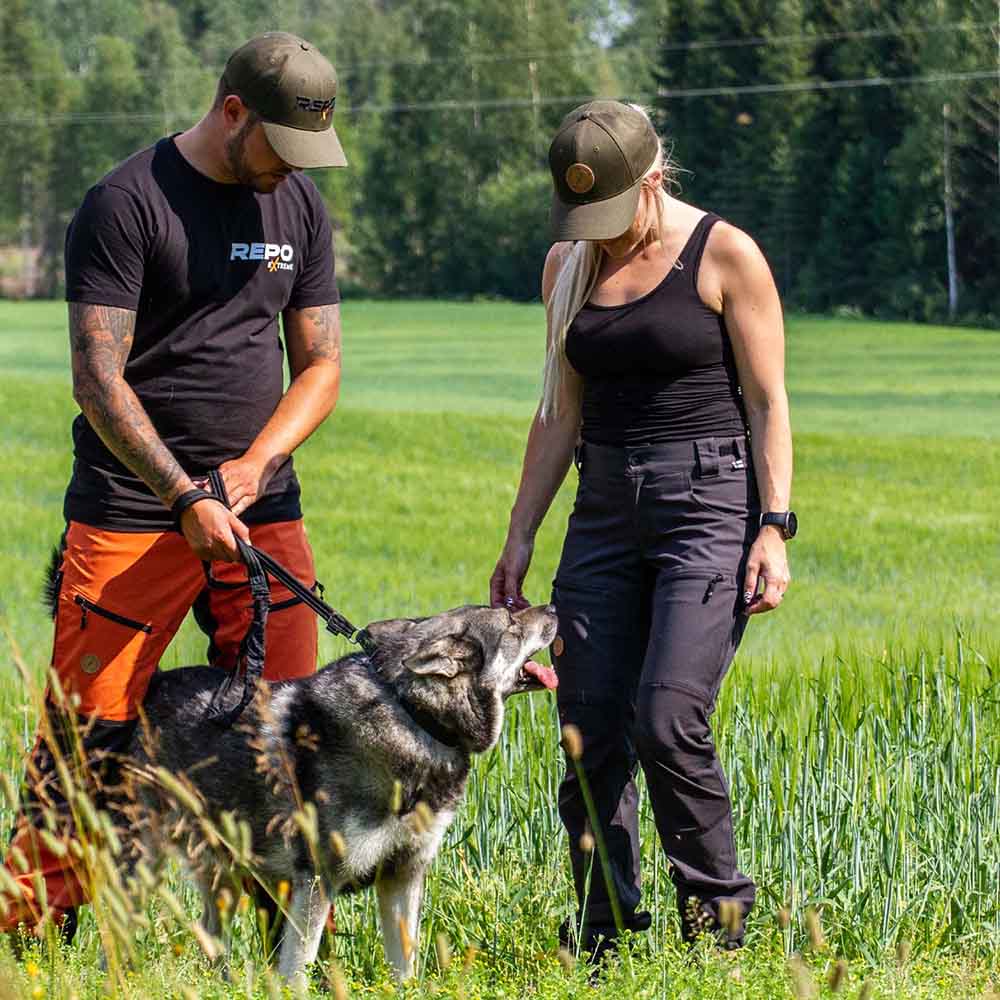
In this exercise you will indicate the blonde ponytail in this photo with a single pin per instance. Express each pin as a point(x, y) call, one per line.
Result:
point(574, 283)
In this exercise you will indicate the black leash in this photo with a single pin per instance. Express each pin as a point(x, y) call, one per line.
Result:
point(240, 685)
point(334, 621)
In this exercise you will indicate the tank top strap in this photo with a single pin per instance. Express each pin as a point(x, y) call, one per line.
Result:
point(690, 256)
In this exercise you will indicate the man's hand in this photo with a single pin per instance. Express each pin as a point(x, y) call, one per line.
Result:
point(245, 479)
point(209, 529)
point(768, 562)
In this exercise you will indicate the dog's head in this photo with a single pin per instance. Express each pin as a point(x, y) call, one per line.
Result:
point(459, 666)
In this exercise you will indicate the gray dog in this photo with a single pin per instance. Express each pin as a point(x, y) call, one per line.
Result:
point(347, 777)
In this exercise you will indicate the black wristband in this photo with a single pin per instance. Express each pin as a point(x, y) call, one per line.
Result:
point(186, 500)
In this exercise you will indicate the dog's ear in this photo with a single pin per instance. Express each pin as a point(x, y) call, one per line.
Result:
point(444, 657)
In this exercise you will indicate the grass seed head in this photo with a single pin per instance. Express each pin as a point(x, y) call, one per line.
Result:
point(803, 984)
point(866, 992)
point(9, 886)
point(8, 791)
point(208, 943)
point(838, 976)
point(586, 842)
point(443, 949)
point(19, 859)
point(784, 917)
point(338, 846)
point(406, 942)
point(731, 917)
point(338, 985)
point(567, 960)
point(903, 949)
point(572, 741)
point(396, 798)
point(470, 958)
point(181, 790)
point(815, 928)
point(426, 814)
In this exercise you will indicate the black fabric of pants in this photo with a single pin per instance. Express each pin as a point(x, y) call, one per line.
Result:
point(650, 614)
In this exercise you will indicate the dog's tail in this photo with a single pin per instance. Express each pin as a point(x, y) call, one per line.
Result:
point(52, 581)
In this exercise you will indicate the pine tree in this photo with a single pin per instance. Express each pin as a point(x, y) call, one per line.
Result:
point(736, 149)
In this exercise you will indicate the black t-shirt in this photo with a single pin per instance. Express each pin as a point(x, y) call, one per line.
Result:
point(208, 268)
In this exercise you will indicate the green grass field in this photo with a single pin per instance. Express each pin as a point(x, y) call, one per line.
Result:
point(860, 725)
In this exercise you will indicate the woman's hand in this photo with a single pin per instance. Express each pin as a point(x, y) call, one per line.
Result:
point(508, 577)
point(767, 563)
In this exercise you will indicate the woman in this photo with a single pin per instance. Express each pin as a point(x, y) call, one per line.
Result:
point(666, 362)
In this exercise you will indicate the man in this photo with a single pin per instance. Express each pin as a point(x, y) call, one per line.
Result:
point(178, 264)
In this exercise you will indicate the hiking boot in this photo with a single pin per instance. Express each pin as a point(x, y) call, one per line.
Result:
point(597, 940)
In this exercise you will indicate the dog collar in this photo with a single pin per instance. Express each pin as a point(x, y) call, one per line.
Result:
point(429, 724)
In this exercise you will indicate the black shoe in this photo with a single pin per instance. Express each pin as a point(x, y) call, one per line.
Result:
point(21, 939)
point(699, 923)
point(69, 925)
point(597, 940)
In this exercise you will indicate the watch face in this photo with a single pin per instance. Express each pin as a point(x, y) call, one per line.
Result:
point(791, 524)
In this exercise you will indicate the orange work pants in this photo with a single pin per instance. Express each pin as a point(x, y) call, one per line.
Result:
point(122, 597)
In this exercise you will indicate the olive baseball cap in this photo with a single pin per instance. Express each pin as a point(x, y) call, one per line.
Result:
point(293, 88)
point(598, 158)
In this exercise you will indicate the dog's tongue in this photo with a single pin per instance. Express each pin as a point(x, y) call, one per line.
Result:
point(546, 675)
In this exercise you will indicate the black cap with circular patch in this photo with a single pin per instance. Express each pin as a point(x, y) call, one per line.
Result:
point(294, 89)
point(598, 158)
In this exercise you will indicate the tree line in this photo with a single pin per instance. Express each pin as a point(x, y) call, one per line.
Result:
point(857, 141)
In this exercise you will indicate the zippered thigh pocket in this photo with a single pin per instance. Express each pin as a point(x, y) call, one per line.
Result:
point(88, 607)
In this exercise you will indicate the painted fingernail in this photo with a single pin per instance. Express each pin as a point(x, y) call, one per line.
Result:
point(747, 596)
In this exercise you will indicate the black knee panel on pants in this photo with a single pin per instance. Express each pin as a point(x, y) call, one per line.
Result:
point(671, 727)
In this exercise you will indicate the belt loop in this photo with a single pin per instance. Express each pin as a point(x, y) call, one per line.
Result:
point(707, 451)
point(737, 449)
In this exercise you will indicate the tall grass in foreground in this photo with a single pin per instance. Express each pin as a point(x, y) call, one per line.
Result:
point(867, 795)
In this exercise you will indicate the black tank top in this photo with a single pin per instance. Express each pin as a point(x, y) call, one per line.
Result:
point(659, 368)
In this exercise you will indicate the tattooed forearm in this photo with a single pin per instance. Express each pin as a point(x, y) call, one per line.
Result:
point(313, 336)
point(100, 341)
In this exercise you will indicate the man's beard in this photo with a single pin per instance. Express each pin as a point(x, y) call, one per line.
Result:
point(237, 165)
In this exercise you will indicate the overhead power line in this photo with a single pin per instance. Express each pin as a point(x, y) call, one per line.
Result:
point(654, 48)
point(615, 52)
point(500, 104)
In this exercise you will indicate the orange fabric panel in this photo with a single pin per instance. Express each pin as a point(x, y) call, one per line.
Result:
point(123, 596)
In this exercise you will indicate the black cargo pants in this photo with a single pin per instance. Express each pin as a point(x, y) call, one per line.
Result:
point(650, 613)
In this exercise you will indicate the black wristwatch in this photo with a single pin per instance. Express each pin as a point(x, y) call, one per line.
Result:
point(783, 519)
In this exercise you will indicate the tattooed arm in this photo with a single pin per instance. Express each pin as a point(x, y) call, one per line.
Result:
point(312, 337)
point(100, 341)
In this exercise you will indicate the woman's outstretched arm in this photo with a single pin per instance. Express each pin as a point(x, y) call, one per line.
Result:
point(547, 458)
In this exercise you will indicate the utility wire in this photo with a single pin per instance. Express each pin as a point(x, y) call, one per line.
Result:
point(654, 48)
point(613, 52)
point(500, 104)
